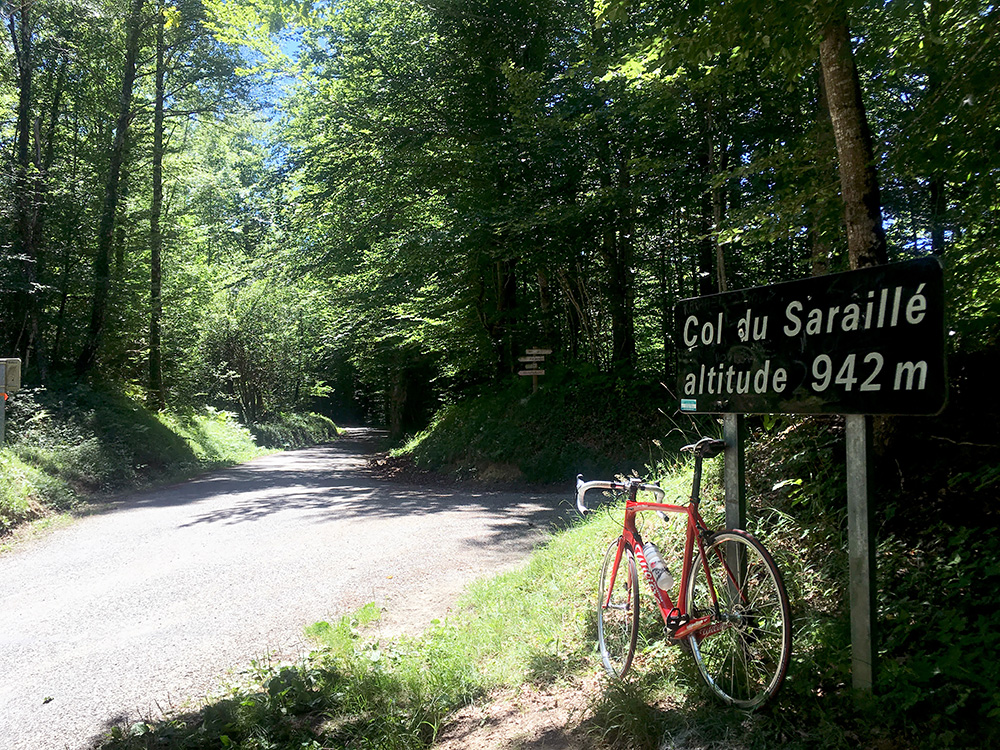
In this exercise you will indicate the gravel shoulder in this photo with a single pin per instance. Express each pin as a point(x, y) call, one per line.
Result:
point(128, 614)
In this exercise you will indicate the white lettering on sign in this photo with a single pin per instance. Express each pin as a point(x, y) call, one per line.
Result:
point(759, 327)
point(854, 371)
point(868, 341)
point(720, 380)
point(882, 309)
point(708, 333)
point(865, 373)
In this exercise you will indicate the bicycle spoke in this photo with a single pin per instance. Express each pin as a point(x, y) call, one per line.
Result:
point(743, 653)
point(618, 610)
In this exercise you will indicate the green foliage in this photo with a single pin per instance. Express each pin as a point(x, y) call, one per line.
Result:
point(939, 601)
point(215, 438)
point(254, 348)
point(66, 446)
point(583, 422)
point(288, 431)
point(27, 492)
point(91, 439)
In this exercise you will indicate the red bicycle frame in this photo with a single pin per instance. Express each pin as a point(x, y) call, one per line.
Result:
point(676, 618)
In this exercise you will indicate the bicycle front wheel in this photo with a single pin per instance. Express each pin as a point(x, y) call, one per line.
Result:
point(618, 610)
point(743, 652)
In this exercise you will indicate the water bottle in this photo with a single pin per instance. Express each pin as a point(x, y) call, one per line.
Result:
point(664, 580)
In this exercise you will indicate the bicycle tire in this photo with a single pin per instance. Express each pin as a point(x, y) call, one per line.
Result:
point(743, 653)
point(618, 620)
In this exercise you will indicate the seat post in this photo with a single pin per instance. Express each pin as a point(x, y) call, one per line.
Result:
point(696, 484)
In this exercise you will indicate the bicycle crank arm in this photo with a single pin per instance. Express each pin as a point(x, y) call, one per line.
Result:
point(693, 626)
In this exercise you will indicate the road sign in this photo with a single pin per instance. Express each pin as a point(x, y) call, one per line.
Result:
point(542, 352)
point(858, 343)
point(10, 382)
point(536, 358)
point(10, 369)
point(861, 342)
point(531, 372)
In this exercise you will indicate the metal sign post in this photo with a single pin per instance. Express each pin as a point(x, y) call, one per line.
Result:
point(734, 432)
point(859, 343)
point(861, 551)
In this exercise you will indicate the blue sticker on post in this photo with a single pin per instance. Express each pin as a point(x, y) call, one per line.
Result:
point(689, 404)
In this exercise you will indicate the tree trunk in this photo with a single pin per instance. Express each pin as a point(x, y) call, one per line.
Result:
point(106, 230)
point(718, 162)
point(706, 270)
point(617, 249)
point(23, 318)
point(155, 397)
point(823, 224)
point(397, 402)
point(866, 245)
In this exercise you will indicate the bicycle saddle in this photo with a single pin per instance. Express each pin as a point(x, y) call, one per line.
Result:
point(706, 447)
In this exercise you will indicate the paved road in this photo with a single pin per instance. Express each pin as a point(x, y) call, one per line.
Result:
point(133, 611)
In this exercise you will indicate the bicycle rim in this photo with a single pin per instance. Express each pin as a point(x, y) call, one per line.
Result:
point(618, 615)
point(743, 653)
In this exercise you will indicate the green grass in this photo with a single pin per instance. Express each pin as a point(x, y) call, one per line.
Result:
point(579, 422)
point(66, 447)
point(289, 431)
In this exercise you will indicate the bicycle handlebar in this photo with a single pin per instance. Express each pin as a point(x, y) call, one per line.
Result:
point(583, 487)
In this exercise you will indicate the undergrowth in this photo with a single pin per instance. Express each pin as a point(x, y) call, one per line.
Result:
point(287, 431)
point(68, 445)
point(582, 421)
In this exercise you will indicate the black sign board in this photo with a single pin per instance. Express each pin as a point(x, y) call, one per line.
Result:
point(861, 342)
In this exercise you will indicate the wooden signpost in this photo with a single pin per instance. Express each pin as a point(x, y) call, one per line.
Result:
point(857, 343)
point(533, 361)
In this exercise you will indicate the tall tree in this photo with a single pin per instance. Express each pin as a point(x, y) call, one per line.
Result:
point(859, 185)
point(106, 231)
point(155, 397)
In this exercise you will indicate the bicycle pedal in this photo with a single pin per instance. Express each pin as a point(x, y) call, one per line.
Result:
point(677, 620)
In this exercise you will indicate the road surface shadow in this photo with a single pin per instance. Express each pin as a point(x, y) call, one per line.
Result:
point(332, 483)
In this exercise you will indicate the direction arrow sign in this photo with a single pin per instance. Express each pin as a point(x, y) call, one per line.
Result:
point(531, 359)
point(531, 372)
point(538, 351)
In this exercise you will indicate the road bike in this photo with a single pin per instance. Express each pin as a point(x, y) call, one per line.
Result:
point(732, 610)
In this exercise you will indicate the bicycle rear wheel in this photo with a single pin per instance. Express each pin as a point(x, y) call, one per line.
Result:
point(743, 653)
point(618, 613)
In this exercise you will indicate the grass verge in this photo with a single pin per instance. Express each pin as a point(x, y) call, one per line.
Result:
point(67, 447)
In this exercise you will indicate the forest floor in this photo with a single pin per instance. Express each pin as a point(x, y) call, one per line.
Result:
point(524, 718)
